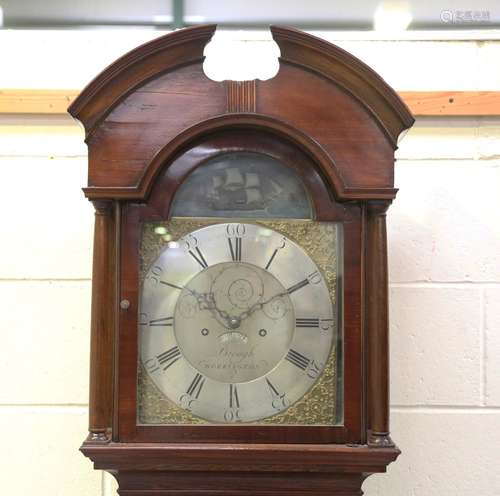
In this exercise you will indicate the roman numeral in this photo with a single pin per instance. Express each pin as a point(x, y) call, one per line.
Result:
point(297, 286)
point(169, 357)
point(307, 322)
point(234, 401)
point(297, 359)
point(274, 391)
point(236, 249)
point(271, 259)
point(171, 285)
point(165, 322)
point(194, 389)
point(198, 256)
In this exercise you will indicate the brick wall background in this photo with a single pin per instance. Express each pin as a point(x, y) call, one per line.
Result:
point(444, 238)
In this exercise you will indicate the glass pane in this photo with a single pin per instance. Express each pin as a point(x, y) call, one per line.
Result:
point(240, 322)
point(265, 12)
point(243, 185)
point(420, 14)
point(384, 15)
point(85, 12)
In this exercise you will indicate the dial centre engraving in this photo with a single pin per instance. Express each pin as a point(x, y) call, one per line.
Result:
point(236, 300)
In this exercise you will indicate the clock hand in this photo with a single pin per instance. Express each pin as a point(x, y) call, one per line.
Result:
point(206, 301)
point(259, 305)
point(211, 305)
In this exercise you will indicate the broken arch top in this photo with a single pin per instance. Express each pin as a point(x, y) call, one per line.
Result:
point(156, 100)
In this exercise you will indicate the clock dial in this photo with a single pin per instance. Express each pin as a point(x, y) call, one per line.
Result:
point(235, 322)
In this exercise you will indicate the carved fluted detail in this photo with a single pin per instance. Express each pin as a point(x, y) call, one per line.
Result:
point(241, 96)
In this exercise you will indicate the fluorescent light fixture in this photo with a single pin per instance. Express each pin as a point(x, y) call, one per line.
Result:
point(392, 15)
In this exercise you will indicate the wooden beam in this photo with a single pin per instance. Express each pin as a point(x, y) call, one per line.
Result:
point(452, 103)
point(31, 101)
point(421, 103)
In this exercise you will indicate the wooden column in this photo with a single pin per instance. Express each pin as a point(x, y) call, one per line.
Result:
point(101, 340)
point(377, 325)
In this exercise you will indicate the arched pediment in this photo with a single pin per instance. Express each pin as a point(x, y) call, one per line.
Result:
point(136, 67)
point(346, 70)
point(144, 103)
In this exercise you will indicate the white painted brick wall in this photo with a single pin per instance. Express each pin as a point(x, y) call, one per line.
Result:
point(444, 233)
point(492, 346)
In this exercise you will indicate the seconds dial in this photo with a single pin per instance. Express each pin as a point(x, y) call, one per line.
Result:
point(235, 322)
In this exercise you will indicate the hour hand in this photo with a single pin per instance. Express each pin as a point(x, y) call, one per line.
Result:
point(229, 321)
point(206, 301)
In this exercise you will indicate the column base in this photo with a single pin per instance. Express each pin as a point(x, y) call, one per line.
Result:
point(380, 440)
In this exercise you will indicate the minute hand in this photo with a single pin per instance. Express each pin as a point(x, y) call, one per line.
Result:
point(259, 305)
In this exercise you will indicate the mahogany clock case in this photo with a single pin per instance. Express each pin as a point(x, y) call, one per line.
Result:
point(152, 118)
point(157, 209)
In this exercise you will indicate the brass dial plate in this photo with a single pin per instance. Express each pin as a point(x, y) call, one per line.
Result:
point(230, 307)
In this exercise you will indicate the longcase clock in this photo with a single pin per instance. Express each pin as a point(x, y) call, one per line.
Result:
point(239, 331)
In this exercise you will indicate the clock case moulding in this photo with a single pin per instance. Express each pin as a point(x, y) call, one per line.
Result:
point(141, 114)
